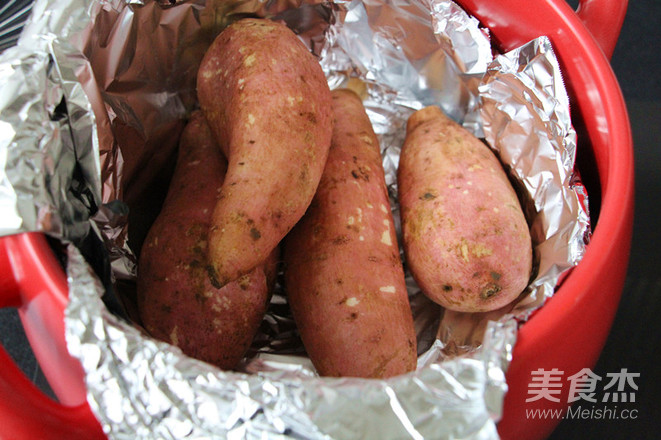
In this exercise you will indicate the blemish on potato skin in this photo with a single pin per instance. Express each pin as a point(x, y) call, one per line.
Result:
point(353, 227)
point(174, 339)
point(490, 290)
point(479, 250)
point(366, 138)
point(377, 336)
point(304, 174)
point(249, 60)
point(352, 302)
point(200, 297)
point(221, 304)
point(244, 282)
point(385, 238)
point(361, 173)
point(341, 239)
point(463, 249)
point(213, 277)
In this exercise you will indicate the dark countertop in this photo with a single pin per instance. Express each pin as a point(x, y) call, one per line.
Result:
point(634, 342)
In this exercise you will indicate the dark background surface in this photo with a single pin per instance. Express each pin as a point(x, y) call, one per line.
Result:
point(635, 339)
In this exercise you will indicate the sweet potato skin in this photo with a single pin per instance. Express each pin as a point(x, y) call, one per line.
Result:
point(177, 301)
point(343, 275)
point(268, 103)
point(465, 236)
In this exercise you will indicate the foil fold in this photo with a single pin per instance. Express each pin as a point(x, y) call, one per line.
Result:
point(101, 90)
point(180, 397)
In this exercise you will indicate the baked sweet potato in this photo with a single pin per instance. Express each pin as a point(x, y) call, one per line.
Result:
point(466, 239)
point(177, 301)
point(268, 103)
point(343, 274)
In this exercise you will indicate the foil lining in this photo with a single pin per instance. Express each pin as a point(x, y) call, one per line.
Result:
point(99, 90)
point(49, 174)
point(173, 396)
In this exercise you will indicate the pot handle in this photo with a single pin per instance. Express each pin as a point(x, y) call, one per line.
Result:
point(604, 19)
point(25, 411)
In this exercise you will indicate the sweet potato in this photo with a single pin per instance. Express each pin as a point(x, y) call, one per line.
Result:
point(268, 103)
point(177, 302)
point(465, 237)
point(343, 274)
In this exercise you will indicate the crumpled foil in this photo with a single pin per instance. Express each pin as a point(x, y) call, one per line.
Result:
point(93, 101)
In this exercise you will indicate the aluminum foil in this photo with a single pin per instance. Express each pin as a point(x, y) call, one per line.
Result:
point(97, 94)
point(49, 178)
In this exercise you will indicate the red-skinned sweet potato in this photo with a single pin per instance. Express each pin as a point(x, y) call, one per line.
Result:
point(466, 239)
point(177, 301)
point(268, 103)
point(343, 275)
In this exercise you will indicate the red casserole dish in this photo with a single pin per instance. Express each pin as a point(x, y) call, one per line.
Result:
point(567, 333)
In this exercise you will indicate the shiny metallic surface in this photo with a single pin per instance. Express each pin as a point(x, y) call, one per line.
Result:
point(87, 76)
